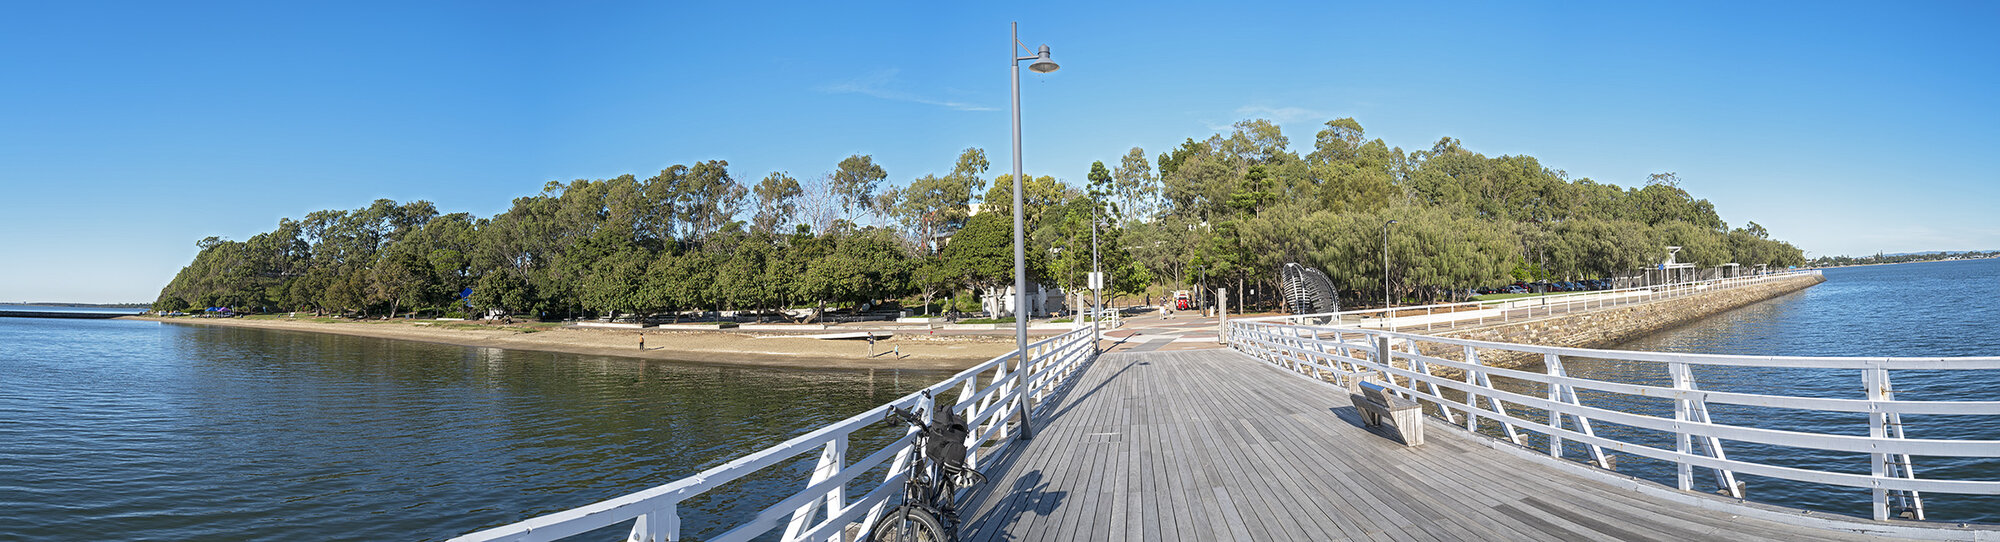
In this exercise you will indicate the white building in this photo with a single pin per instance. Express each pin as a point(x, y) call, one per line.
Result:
point(1042, 301)
point(999, 302)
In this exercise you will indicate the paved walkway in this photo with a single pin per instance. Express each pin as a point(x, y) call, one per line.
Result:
point(1151, 333)
point(1212, 445)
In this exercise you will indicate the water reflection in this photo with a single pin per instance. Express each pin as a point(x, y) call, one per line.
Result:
point(180, 432)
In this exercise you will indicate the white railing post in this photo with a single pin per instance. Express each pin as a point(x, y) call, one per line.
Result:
point(1417, 364)
point(1555, 367)
point(1550, 365)
point(1724, 478)
point(1691, 407)
point(1874, 381)
point(972, 410)
point(831, 459)
point(1480, 379)
point(1683, 443)
point(659, 525)
point(998, 399)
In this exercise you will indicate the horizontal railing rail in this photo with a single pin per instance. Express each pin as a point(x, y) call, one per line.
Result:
point(1448, 377)
point(1447, 316)
point(989, 395)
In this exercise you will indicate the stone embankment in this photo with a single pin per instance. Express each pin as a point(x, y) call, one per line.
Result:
point(1605, 328)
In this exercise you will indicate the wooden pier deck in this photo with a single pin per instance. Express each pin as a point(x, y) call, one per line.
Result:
point(1213, 445)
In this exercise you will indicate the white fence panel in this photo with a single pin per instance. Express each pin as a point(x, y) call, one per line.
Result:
point(1424, 369)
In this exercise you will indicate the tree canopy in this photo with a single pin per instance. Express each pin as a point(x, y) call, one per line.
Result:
point(1229, 209)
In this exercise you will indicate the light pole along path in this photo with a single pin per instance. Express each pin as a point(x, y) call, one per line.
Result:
point(1041, 64)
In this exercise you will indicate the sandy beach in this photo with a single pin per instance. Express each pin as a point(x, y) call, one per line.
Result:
point(919, 349)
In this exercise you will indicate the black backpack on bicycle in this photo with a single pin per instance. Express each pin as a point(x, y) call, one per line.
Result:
point(946, 443)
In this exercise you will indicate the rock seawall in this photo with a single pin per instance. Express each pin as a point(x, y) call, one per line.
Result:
point(1608, 327)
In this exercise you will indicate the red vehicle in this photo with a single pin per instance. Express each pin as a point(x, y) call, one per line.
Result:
point(1183, 300)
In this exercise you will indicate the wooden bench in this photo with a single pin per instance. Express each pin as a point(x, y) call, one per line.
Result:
point(1376, 402)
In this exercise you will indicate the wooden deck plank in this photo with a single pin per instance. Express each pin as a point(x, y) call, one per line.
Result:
point(1062, 473)
point(1167, 512)
point(1212, 445)
point(1196, 509)
point(1274, 469)
point(1114, 492)
point(1364, 512)
point(1210, 450)
point(1103, 438)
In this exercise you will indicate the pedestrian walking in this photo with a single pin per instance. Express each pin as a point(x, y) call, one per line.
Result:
point(642, 341)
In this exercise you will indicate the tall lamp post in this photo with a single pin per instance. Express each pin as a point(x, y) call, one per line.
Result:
point(1097, 276)
point(1387, 315)
point(1041, 64)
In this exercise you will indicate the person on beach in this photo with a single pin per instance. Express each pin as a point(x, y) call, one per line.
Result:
point(642, 341)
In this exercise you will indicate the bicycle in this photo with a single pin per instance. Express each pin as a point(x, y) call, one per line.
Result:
point(929, 512)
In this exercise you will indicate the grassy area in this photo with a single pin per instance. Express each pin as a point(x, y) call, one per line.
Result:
point(1007, 320)
point(1497, 297)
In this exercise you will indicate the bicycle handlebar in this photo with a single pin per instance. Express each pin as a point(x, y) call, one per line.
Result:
point(899, 413)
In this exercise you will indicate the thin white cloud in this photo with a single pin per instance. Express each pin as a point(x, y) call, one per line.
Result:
point(1281, 115)
point(880, 85)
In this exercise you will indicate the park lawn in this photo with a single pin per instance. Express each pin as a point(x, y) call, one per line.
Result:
point(1497, 297)
point(1007, 320)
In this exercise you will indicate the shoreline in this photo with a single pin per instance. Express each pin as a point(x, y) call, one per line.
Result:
point(1609, 328)
point(923, 351)
point(1902, 263)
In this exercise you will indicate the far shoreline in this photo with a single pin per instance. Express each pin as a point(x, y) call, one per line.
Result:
point(1902, 263)
point(918, 350)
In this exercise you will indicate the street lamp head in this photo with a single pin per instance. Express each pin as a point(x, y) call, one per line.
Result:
point(1392, 222)
point(1042, 63)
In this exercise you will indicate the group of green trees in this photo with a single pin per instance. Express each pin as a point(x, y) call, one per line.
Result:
point(1232, 209)
point(1225, 211)
point(669, 243)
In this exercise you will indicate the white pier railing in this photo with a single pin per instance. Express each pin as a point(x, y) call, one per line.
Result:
point(1447, 316)
point(988, 395)
point(1450, 379)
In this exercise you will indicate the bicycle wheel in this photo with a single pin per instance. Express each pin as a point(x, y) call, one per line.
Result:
point(918, 526)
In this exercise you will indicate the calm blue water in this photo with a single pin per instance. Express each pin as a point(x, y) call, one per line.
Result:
point(46, 308)
point(142, 431)
point(136, 430)
point(1936, 309)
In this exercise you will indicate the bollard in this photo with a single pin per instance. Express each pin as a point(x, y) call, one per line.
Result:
point(1222, 325)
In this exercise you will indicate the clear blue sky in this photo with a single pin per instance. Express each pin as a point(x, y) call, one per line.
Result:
point(130, 130)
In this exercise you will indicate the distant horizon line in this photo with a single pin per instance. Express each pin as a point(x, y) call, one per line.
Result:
point(77, 304)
